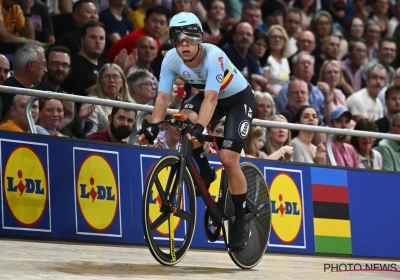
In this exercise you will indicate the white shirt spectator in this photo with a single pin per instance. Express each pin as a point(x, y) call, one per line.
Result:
point(360, 103)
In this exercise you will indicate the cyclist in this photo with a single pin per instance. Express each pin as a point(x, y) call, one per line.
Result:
point(223, 91)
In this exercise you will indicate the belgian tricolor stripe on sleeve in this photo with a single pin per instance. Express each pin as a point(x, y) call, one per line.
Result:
point(331, 211)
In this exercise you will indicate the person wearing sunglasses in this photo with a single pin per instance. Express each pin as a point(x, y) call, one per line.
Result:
point(223, 92)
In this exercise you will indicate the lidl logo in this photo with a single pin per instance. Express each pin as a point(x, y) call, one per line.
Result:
point(162, 232)
point(97, 192)
point(287, 207)
point(25, 186)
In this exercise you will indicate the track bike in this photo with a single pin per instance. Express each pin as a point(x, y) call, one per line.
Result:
point(175, 194)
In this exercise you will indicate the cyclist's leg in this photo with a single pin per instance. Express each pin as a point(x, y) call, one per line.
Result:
point(237, 126)
point(190, 109)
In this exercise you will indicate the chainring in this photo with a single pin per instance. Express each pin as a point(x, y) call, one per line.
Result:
point(214, 235)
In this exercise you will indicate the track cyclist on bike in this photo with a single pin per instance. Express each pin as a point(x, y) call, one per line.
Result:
point(223, 91)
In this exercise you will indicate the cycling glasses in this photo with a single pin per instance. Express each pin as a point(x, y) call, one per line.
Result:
point(191, 33)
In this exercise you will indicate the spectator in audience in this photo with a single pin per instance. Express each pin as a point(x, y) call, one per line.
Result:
point(390, 149)
point(305, 43)
point(304, 150)
point(297, 96)
point(345, 154)
point(265, 105)
point(308, 11)
point(337, 10)
point(29, 68)
point(4, 68)
point(168, 138)
point(303, 69)
point(392, 98)
point(278, 144)
point(322, 26)
point(292, 23)
point(51, 115)
point(16, 25)
point(83, 11)
point(146, 48)
point(244, 61)
point(379, 10)
point(251, 13)
point(365, 103)
point(111, 85)
point(368, 158)
point(259, 50)
point(58, 68)
point(279, 71)
point(215, 128)
point(142, 87)
point(213, 32)
point(272, 14)
point(42, 23)
point(155, 25)
point(120, 125)
point(254, 143)
point(353, 31)
point(352, 65)
point(381, 96)
point(329, 51)
point(386, 55)
point(87, 63)
point(332, 75)
point(372, 35)
point(117, 24)
point(138, 16)
point(17, 121)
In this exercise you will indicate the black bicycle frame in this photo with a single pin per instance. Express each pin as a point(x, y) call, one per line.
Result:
point(216, 209)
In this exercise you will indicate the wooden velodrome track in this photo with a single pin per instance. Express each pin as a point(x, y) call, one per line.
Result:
point(49, 260)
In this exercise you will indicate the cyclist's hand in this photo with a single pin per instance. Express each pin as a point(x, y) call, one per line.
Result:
point(197, 134)
point(148, 133)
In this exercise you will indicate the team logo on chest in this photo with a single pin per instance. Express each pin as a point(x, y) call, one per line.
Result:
point(186, 74)
point(199, 74)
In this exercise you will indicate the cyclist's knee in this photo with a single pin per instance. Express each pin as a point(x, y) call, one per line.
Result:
point(229, 159)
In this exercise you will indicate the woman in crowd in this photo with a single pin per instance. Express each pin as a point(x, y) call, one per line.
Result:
point(368, 158)
point(354, 29)
point(278, 144)
point(278, 65)
point(308, 9)
point(212, 28)
point(112, 85)
point(379, 13)
point(332, 75)
point(304, 150)
point(321, 26)
point(51, 114)
point(259, 50)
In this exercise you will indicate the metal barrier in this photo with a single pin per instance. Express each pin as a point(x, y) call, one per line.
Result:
point(332, 132)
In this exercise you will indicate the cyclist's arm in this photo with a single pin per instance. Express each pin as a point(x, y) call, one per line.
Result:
point(160, 107)
point(167, 79)
point(207, 107)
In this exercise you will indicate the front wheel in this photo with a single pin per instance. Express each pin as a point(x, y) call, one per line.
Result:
point(259, 203)
point(168, 230)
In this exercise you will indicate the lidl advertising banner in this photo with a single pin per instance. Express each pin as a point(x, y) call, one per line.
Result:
point(80, 190)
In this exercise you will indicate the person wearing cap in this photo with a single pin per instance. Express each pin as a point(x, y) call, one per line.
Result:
point(344, 153)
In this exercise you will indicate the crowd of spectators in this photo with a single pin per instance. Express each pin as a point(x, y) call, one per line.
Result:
point(316, 62)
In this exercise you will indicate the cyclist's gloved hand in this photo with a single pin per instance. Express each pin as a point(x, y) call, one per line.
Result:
point(150, 131)
point(198, 133)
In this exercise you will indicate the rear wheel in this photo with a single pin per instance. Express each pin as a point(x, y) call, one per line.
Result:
point(168, 230)
point(259, 203)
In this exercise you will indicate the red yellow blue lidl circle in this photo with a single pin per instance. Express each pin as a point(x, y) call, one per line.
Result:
point(25, 185)
point(286, 207)
point(155, 202)
point(97, 192)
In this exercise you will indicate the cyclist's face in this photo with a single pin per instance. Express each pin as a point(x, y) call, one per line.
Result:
point(185, 50)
